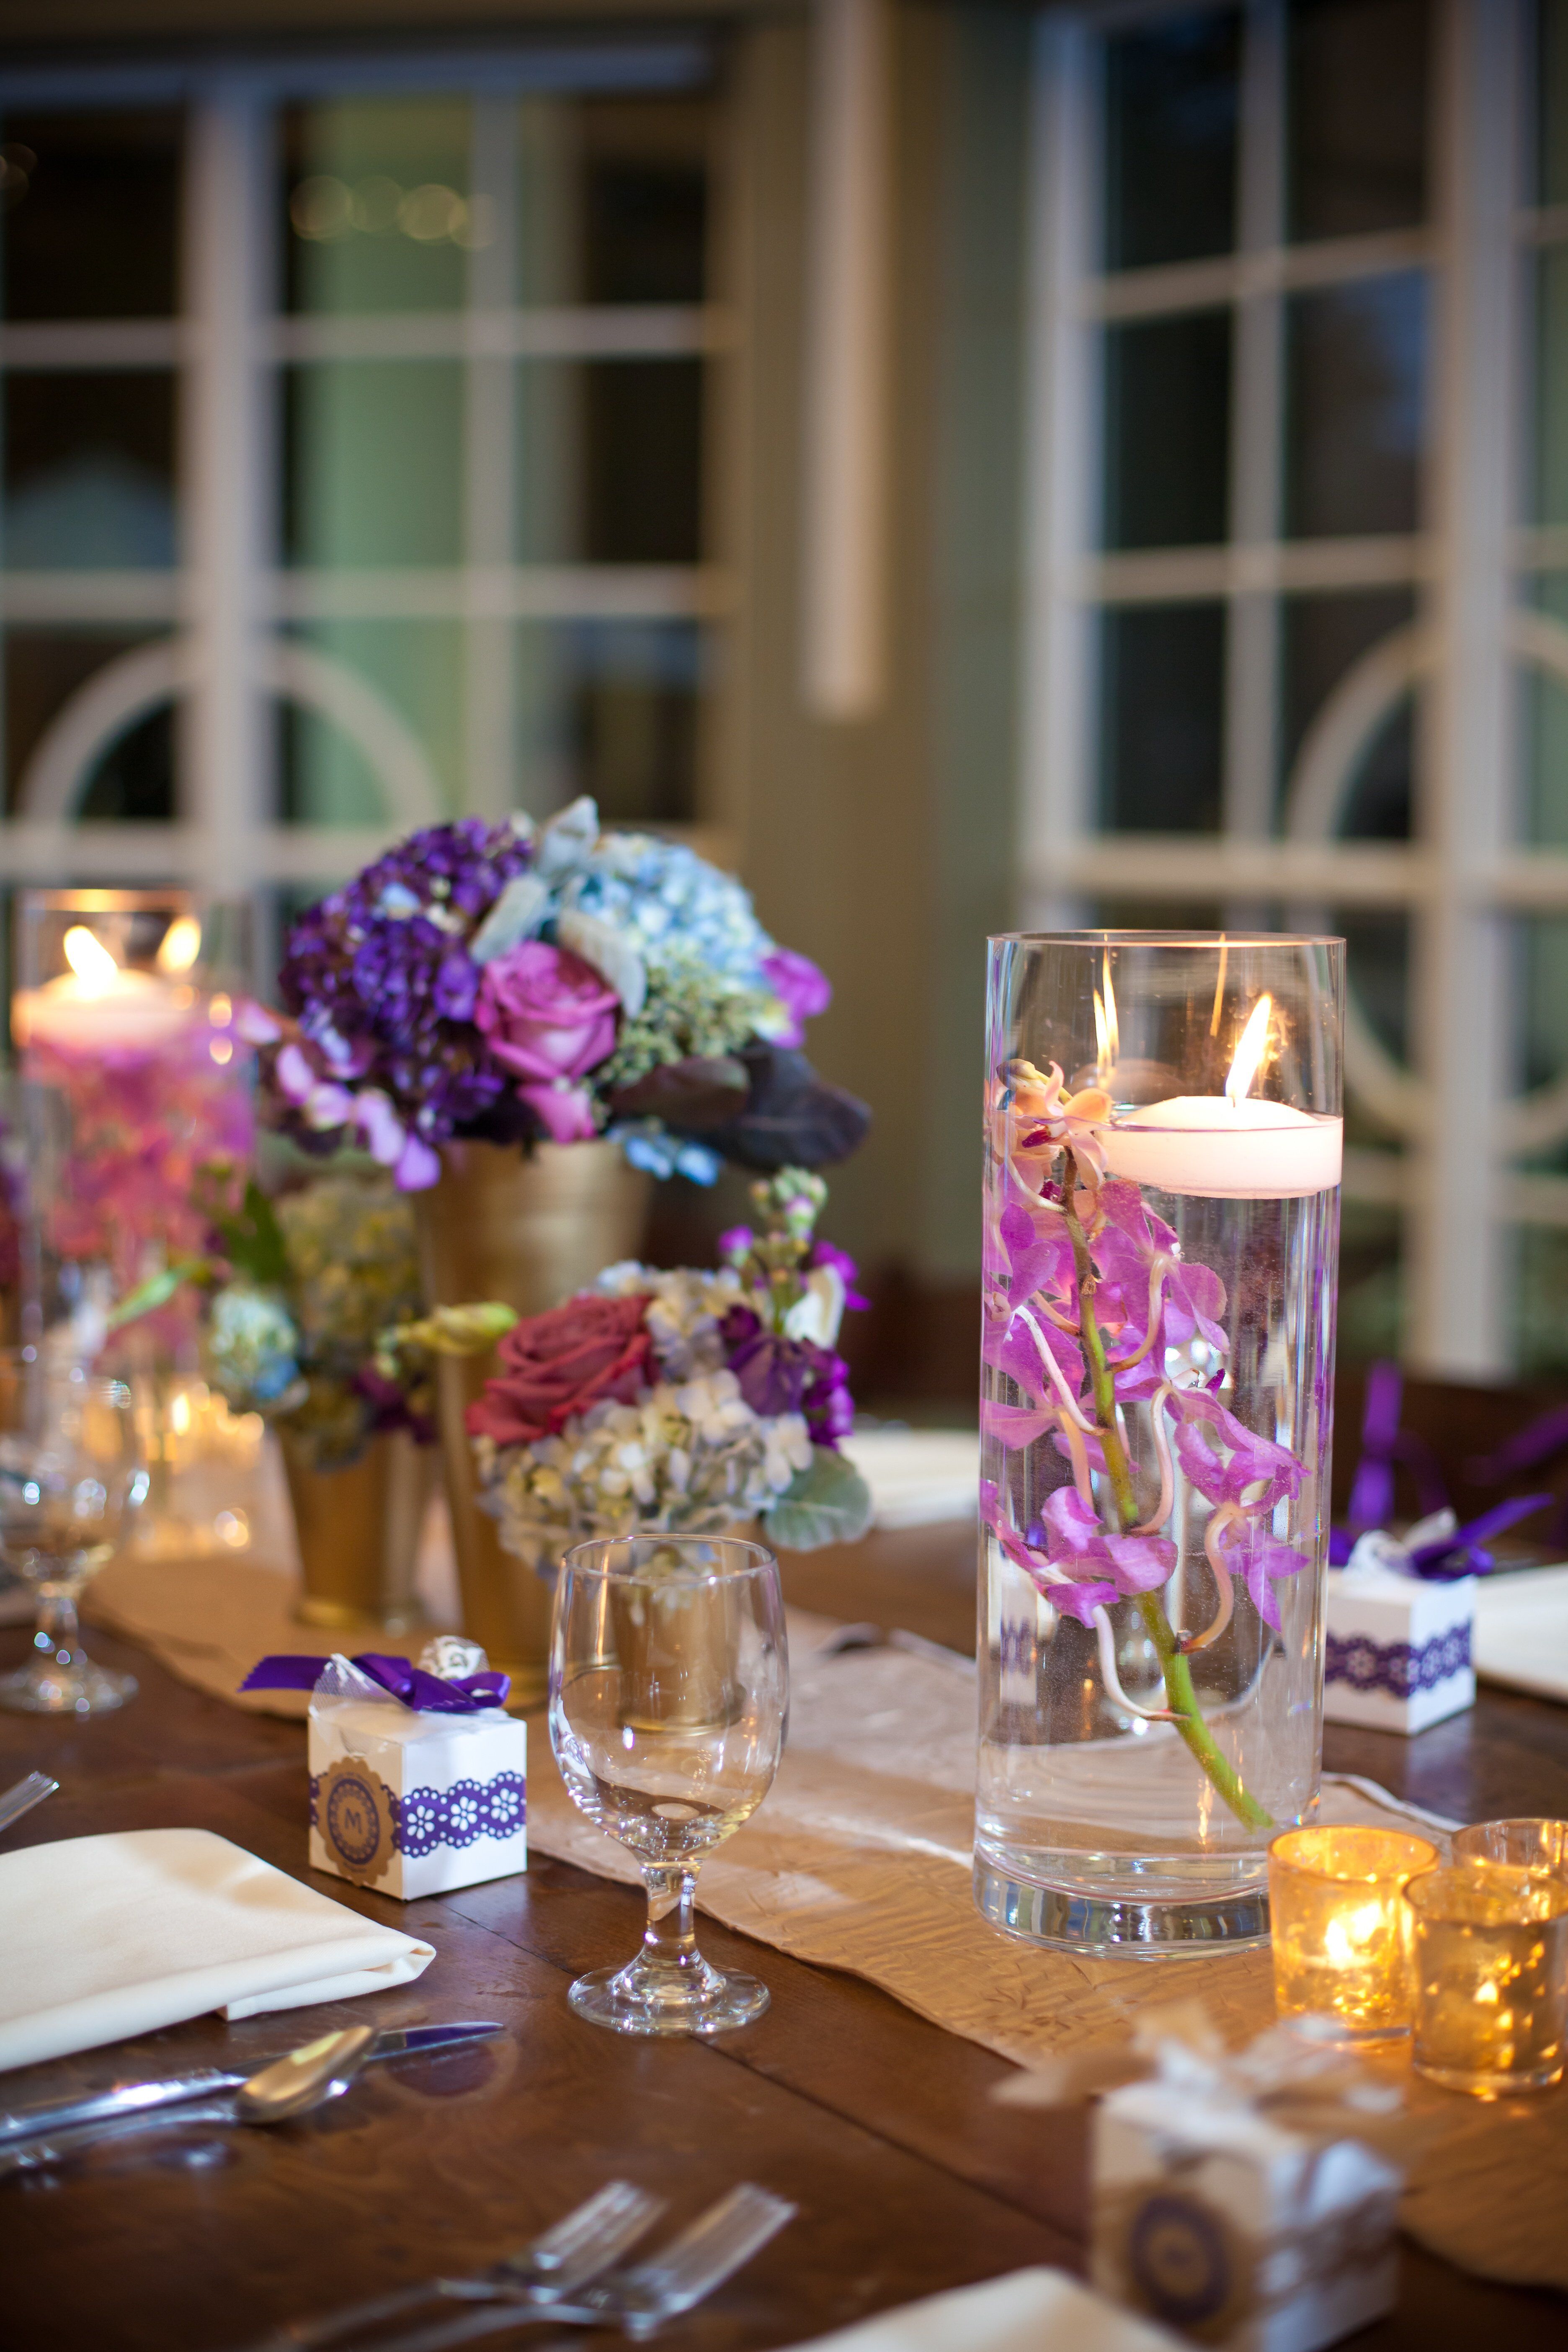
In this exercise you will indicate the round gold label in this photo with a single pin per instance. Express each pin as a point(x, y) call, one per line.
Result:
point(353, 1812)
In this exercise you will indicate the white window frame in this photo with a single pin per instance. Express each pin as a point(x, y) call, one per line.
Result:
point(1465, 873)
point(225, 658)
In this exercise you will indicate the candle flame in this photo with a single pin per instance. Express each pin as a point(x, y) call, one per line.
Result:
point(89, 957)
point(180, 945)
point(1107, 1032)
point(1249, 1053)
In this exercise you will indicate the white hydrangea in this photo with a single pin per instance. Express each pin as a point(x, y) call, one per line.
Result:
point(690, 1458)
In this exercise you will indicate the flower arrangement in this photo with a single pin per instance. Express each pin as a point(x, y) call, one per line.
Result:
point(1103, 1329)
point(515, 984)
point(685, 1401)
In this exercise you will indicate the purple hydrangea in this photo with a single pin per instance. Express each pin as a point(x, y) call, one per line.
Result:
point(381, 981)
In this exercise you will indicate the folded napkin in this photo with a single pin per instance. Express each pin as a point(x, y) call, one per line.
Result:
point(1521, 1631)
point(918, 1476)
point(1028, 2311)
point(106, 1937)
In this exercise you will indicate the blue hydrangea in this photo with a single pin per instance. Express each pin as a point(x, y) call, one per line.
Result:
point(672, 904)
point(649, 1143)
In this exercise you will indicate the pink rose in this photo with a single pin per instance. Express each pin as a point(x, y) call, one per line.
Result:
point(551, 1017)
point(801, 988)
point(554, 1366)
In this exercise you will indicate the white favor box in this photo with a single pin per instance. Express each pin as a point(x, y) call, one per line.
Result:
point(413, 1804)
point(1234, 2230)
point(1397, 1651)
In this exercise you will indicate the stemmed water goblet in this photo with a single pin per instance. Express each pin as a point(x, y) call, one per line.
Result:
point(69, 1475)
point(668, 1705)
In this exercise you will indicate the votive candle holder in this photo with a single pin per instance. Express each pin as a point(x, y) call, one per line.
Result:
point(1488, 1977)
point(1525, 1843)
point(1339, 1928)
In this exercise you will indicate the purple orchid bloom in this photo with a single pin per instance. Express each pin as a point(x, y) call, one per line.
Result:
point(1078, 1599)
point(1252, 1553)
point(1130, 1247)
point(1034, 1255)
point(1075, 1538)
point(1223, 1459)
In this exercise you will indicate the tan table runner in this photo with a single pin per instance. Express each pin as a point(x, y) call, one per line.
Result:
point(860, 1860)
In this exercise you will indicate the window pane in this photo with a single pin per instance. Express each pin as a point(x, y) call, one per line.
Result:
point(1355, 358)
point(416, 668)
point(89, 472)
point(1161, 671)
point(610, 707)
point(374, 462)
point(1323, 638)
point(1358, 81)
point(377, 205)
point(1543, 735)
point(88, 214)
point(1371, 1287)
point(1541, 948)
point(1377, 974)
point(1171, 103)
point(1551, 85)
point(43, 670)
point(1167, 424)
point(1550, 468)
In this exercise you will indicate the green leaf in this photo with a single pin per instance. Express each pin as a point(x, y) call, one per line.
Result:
point(827, 1503)
point(156, 1291)
point(253, 1240)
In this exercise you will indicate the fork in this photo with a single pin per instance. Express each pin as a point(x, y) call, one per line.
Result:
point(638, 2299)
point(563, 2259)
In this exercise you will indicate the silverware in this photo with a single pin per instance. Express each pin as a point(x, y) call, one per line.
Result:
point(560, 2261)
point(23, 1796)
point(131, 2099)
point(874, 1637)
point(637, 2300)
point(277, 2093)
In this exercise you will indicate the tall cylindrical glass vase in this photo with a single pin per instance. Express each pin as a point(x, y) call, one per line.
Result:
point(1163, 1150)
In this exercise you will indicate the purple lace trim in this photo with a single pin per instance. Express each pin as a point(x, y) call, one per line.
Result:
point(1398, 1667)
point(458, 1816)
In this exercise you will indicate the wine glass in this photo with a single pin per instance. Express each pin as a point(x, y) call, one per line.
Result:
point(669, 1702)
point(69, 1473)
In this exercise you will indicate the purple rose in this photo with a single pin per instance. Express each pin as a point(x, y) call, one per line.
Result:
point(801, 988)
point(551, 1017)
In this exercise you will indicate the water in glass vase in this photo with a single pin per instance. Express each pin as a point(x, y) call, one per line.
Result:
point(1156, 1418)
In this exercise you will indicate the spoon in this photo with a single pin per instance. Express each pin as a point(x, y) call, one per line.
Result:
point(281, 2091)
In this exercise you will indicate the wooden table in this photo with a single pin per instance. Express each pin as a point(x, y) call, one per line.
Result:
point(878, 2125)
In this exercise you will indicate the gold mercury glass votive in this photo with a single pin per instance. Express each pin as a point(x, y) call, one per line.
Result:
point(1338, 1928)
point(1489, 1970)
point(1525, 1843)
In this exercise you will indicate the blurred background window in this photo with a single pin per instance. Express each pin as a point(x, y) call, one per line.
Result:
point(1300, 596)
point(357, 456)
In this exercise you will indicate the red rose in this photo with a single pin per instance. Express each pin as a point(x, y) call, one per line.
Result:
point(558, 1364)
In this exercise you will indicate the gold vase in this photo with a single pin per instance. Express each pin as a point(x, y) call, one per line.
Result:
point(527, 1230)
point(359, 1534)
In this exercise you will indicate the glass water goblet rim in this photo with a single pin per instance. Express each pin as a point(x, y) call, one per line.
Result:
point(1455, 1895)
point(591, 1557)
point(1419, 1854)
point(106, 1387)
point(1183, 938)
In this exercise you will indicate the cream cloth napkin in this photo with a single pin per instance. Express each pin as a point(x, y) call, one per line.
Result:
point(1028, 2311)
point(106, 1937)
point(1521, 1631)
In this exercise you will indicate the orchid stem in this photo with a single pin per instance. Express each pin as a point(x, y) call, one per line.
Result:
point(1183, 1698)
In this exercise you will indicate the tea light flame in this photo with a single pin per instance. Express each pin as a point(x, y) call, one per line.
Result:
point(92, 962)
point(1250, 1052)
point(180, 945)
point(1107, 1030)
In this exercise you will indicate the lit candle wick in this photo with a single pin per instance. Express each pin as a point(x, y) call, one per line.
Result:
point(1249, 1053)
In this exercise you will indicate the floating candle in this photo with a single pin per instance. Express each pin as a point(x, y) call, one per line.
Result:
point(97, 1007)
point(1225, 1146)
point(1339, 1943)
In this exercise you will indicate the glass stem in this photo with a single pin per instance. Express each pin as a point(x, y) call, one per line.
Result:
point(1180, 1694)
point(57, 1629)
point(670, 1940)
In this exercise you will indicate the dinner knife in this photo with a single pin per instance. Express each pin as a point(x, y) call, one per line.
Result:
point(135, 2098)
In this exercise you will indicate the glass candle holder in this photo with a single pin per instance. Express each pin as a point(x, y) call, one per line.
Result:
point(1162, 1147)
point(1339, 1951)
point(1490, 1977)
point(135, 1090)
point(1524, 1844)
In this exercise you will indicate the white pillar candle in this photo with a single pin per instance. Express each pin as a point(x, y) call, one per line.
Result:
point(1228, 1150)
point(98, 1008)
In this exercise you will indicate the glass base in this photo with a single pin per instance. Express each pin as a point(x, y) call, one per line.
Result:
point(1118, 1921)
point(1485, 2086)
point(50, 1686)
point(694, 1998)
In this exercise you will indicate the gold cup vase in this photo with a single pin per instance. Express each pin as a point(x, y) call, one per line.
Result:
point(359, 1534)
point(527, 1230)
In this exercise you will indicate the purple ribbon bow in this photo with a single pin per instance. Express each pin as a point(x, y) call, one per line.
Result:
point(1461, 1554)
point(424, 1692)
point(1383, 1444)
